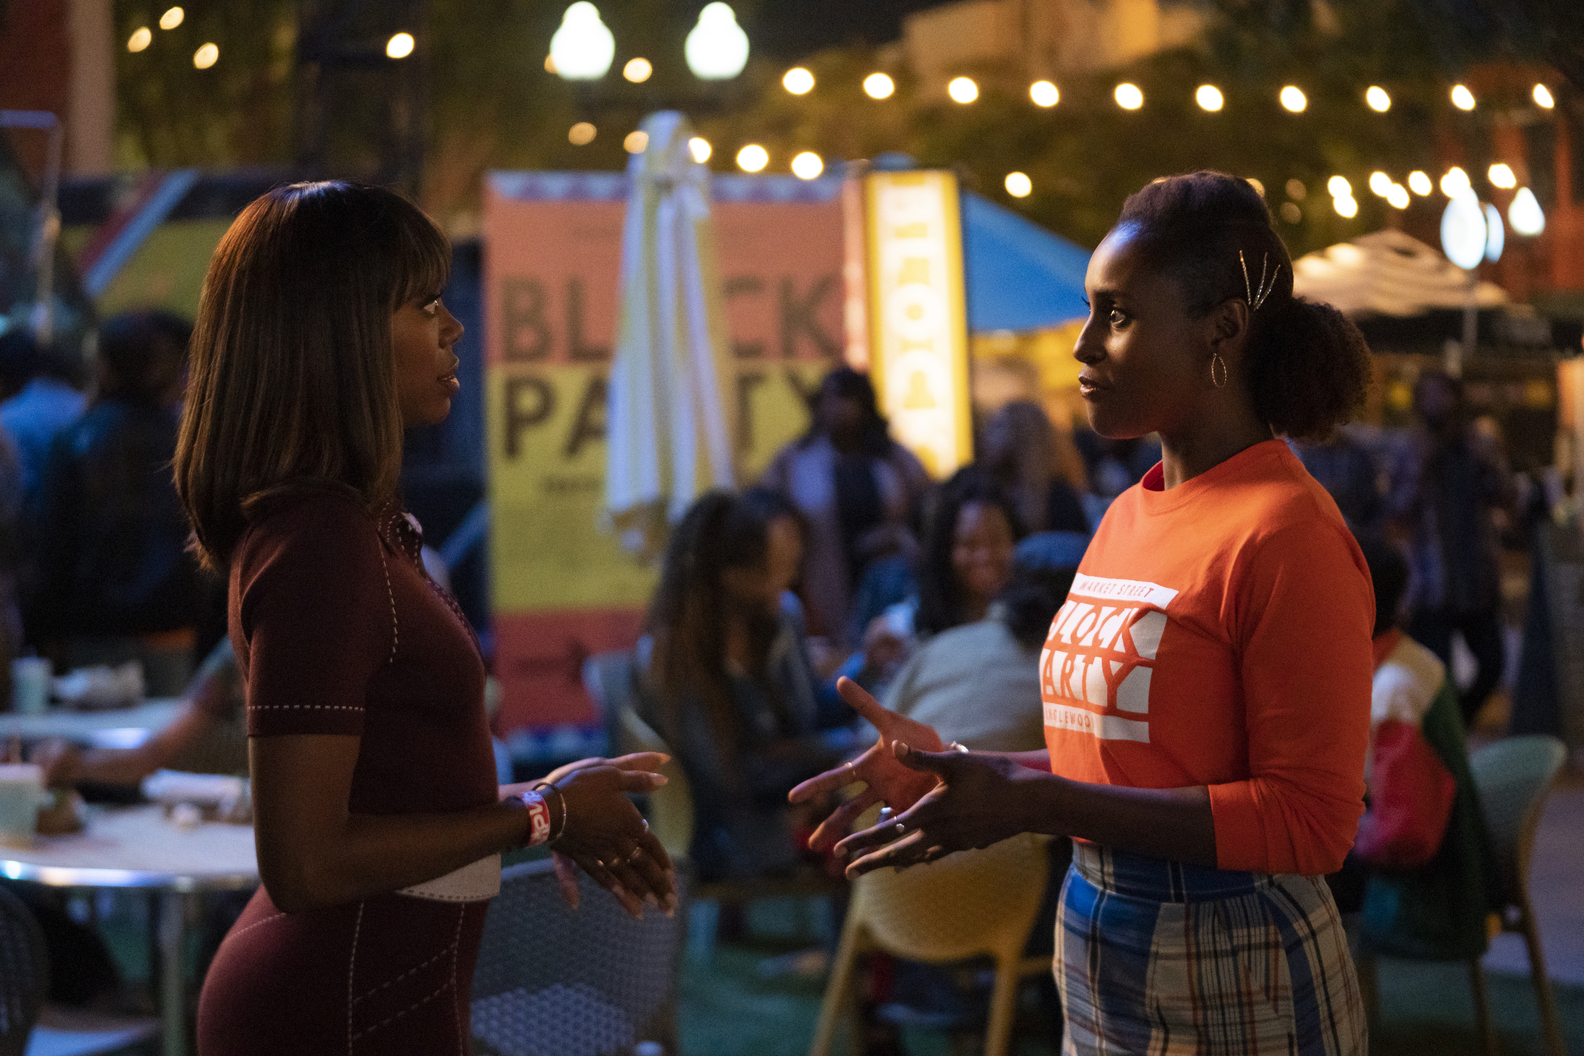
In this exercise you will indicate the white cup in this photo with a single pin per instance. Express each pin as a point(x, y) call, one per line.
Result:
point(21, 795)
point(30, 684)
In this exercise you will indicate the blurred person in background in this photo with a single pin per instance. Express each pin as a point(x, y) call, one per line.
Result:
point(41, 397)
point(115, 579)
point(1449, 485)
point(970, 530)
point(857, 489)
point(1023, 451)
point(1346, 469)
point(729, 685)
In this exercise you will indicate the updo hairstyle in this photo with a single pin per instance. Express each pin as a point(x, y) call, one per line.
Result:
point(1307, 365)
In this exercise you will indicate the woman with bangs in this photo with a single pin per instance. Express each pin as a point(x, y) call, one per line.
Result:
point(320, 337)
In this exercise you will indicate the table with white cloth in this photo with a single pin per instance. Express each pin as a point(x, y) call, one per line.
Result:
point(139, 848)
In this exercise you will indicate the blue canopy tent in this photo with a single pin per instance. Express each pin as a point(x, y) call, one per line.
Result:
point(1020, 277)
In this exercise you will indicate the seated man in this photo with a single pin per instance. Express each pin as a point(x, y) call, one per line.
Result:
point(1437, 910)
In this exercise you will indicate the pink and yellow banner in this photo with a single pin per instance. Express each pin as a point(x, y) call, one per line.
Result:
point(563, 588)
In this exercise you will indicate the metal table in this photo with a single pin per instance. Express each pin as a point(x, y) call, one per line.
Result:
point(135, 847)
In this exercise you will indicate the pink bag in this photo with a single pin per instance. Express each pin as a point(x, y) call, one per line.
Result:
point(1411, 802)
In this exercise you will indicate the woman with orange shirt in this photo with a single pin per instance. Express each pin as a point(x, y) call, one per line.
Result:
point(1206, 685)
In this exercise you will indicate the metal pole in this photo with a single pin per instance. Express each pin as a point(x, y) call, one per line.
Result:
point(48, 231)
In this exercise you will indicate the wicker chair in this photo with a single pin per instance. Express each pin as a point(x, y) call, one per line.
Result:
point(968, 904)
point(552, 981)
point(24, 974)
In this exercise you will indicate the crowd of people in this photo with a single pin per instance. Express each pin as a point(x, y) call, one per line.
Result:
point(1152, 634)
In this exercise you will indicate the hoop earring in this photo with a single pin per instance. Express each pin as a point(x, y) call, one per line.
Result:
point(1215, 358)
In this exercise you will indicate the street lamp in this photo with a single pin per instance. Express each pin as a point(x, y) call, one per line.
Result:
point(716, 49)
point(582, 49)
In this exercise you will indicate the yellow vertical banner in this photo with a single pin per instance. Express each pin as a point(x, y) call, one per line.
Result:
point(918, 314)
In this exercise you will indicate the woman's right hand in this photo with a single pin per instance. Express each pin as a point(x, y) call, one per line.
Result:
point(604, 834)
point(889, 780)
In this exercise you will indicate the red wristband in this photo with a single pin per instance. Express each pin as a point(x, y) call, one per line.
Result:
point(538, 817)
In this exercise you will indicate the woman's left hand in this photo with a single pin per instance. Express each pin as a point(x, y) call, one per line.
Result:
point(606, 836)
point(977, 801)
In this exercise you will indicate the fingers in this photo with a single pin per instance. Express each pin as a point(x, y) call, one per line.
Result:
point(833, 779)
point(860, 700)
point(853, 847)
point(909, 850)
point(566, 876)
point(608, 878)
point(835, 826)
point(933, 762)
point(640, 780)
point(640, 761)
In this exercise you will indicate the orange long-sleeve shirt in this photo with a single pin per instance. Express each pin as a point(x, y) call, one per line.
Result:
point(1218, 634)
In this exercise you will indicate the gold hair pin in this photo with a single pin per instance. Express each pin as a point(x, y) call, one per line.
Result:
point(1256, 297)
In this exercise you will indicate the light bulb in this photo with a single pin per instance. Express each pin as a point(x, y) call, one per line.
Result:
point(1525, 214)
point(807, 165)
point(206, 56)
point(1209, 98)
point(1543, 99)
point(638, 70)
point(1378, 99)
point(637, 141)
point(1454, 182)
point(699, 147)
point(172, 18)
point(962, 90)
point(139, 39)
point(582, 48)
point(1419, 183)
point(798, 81)
point(581, 134)
point(1397, 195)
point(1345, 206)
point(878, 86)
point(1462, 98)
point(716, 48)
point(1044, 93)
point(752, 158)
point(1018, 185)
point(1501, 175)
point(1339, 187)
point(1292, 97)
point(1296, 189)
point(400, 45)
point(1380, 183)
point(1129, 96)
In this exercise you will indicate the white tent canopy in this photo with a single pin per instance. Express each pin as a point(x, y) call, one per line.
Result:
point(1388, 273)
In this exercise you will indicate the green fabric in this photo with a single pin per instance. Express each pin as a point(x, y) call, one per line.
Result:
point(1438, 912)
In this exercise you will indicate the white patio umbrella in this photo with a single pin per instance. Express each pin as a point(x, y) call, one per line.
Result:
point(670, 430)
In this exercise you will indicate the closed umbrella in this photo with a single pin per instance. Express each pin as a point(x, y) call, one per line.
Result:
point(669, 428)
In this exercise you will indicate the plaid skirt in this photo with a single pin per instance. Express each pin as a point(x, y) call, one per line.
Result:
point(1163, 958)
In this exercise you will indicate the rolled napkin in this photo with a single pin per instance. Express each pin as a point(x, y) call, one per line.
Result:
point(219, 796)
point(101, 687)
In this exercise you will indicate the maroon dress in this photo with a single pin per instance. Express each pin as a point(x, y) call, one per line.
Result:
point(338, 631)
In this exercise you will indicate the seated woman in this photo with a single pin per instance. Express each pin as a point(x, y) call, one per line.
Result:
point(1039, 466)
point(728, 681)
point(968, 539)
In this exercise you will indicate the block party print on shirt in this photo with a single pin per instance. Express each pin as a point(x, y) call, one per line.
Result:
point(1099, 657)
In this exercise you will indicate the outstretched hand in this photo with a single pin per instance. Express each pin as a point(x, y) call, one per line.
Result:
point(605, 835)
point(889, 780)
point(973, 803)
